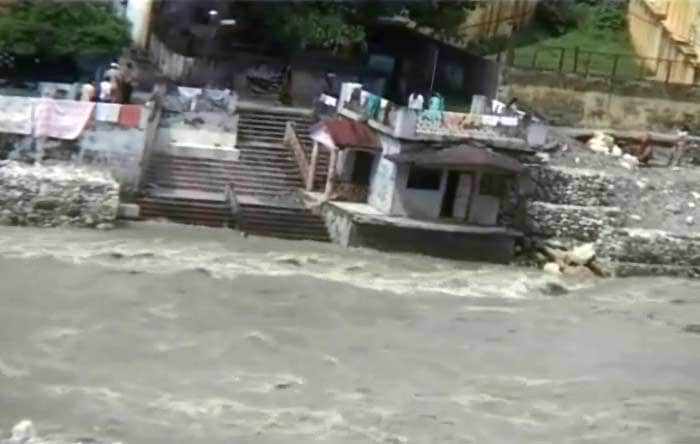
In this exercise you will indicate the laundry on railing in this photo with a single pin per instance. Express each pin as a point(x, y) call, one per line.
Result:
point(130, 116)
point(61, 119)
point(107, 112)
point(190, 95)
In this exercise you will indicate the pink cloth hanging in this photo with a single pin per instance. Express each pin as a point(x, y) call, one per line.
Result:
point(61, 119)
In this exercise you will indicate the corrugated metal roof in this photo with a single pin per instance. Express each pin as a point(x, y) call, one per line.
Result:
point(462, 156)
point(347, 133)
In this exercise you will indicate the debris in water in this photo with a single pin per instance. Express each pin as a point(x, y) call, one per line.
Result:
point(692, 328)
point(554, 289)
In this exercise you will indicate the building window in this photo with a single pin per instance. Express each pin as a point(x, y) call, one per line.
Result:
point(492, 185)
point(424, 179)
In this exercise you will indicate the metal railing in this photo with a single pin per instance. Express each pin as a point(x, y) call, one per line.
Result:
point(291, 141)
point(598, 64)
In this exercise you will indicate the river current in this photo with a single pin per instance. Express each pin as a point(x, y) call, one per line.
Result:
point(158, 333)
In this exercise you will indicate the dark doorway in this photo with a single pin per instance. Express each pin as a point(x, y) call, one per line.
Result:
point(362, 168)
point(448, 201)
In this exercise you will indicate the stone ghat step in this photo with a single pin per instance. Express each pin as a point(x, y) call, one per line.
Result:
point(286, 232)
point(187, 211)
point(288, 235)
point(256, 136)
point(205, 162)
point(280, 211)
point(264, 122)
point(634, 269)
point(291, 225)
point(247, 168)
point(276, 116)
point(284, 219)
point(270, 129)
point(259, 186)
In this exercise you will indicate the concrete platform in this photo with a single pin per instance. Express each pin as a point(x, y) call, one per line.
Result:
point(360, 225)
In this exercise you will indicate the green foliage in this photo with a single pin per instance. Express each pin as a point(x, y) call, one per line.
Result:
point(337, 25)
point(320, 29)
point(609, 17)
point(63, 27)
point(597, 26)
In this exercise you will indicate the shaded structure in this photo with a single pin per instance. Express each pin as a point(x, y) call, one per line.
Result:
point(426, 194)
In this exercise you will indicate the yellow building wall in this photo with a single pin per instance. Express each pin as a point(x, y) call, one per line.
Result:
point(664, 33)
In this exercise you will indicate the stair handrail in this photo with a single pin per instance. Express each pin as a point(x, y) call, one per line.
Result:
point(232, 200)
point(292, 142)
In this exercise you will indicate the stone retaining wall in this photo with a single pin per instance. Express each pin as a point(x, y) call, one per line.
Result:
point(582, 223)
point(577, 186)
point(634, 251)
point(57, 195)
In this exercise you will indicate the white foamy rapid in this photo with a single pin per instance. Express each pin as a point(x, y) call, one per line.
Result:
point(235, 256)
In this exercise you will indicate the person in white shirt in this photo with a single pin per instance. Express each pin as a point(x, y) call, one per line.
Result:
point(416, 102)
point(105, 91)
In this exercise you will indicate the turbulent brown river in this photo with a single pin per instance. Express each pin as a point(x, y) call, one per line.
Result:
point(168, 334)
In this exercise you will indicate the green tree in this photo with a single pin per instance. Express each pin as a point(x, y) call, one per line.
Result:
point(63, 27)
point(341, 24)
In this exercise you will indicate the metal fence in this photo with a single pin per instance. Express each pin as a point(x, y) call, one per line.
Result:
point(598, 64)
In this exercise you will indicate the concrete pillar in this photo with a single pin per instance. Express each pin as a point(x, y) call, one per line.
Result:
point(311, 175)
point(331, 174)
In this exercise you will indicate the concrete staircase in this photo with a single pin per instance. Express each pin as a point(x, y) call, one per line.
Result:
point(265, 125)
point(187, 190)
point(264, 180)
point(286, 220)
point(267, 175)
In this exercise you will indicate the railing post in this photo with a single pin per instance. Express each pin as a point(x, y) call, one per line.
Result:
point(291, 142)
point(534, 58)
point(616, 61)
point(642, 68)
point(588, 63)
point(668, 71)
point(562, 52)
point(576, 54)
point(311, 175)
point(330, 179)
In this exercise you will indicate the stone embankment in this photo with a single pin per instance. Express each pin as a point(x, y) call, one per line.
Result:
point(574, 203)
point(570, 206)
point(642, 252)
point(58, 195)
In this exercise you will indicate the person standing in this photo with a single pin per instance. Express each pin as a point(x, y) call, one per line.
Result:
point(416, 102)
point(679, 147)
point(645, 151)
point(105, 94)
point(87, 92)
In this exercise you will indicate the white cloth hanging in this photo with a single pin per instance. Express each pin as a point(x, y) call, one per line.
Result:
point(107, 112)
point(190, 95)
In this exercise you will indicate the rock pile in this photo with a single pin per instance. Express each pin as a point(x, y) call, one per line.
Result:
point(580, 261)
point(605, 144)
point(57, 195)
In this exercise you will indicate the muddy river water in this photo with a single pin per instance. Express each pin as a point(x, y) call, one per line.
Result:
point(167, 334)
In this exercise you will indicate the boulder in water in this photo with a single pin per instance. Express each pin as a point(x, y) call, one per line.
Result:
point(552, 267)
point(582, 254)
